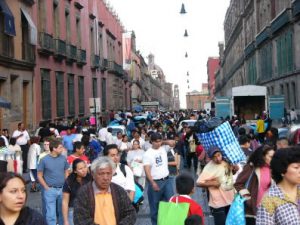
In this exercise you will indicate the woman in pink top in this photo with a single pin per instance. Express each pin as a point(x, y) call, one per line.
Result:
point(255, 180)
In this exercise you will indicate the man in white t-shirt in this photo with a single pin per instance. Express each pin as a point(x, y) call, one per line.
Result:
point(22, 139)
point(126, 180)
point(156, 168)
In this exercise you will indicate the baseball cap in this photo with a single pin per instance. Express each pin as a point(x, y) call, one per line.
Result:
point(212, 150)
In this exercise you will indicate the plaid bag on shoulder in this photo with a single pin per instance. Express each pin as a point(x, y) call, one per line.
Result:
point(223, 137)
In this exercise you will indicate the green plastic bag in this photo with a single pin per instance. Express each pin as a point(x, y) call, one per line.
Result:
point(170, 213)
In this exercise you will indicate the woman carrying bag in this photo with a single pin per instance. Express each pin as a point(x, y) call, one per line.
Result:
point(255, 180)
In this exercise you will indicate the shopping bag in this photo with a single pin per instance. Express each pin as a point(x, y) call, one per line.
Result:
point(137, 168)
point(236, 214)
point(170, 213)
point(223, 137)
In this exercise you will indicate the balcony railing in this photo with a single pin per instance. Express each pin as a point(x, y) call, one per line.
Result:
point(281, 20)
point(103, 64)
point(81, 57)
point(115, 68)
point(28, 52)
point(46, 43)
point(95, 61)
point(59, 48)
point(296, 7)
point(71, 53)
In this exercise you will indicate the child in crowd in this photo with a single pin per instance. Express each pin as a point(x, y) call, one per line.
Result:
point(193, 220)
point(185, 187)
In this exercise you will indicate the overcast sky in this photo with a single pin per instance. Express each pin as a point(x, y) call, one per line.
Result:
point(159, 29)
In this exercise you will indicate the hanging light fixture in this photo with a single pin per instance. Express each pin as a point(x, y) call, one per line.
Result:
point(187, 73)
point(182, 11)
point(186, 55)
point(187, 81)
point(188, 86)
point(185, 33)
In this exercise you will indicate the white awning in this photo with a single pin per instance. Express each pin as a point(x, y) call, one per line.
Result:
point(32, 28)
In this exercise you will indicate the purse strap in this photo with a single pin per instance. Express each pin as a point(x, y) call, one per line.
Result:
point(248, 181)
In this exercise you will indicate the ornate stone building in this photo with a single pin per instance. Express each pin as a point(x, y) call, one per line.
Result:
point(262, 47)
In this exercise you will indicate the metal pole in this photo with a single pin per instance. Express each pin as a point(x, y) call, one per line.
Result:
point(95, 113)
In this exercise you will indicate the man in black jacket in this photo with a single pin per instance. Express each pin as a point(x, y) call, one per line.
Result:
point(91, 198)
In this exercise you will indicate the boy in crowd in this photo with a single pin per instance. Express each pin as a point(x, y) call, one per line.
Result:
point(193, 220)
point(185, 187)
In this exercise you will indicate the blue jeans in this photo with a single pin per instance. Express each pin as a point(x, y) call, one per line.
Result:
point(70, 216)
point(164, 194)
point(53, 199)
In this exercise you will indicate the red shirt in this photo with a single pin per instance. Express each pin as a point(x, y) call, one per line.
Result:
point(71, 158)
point(195, 208)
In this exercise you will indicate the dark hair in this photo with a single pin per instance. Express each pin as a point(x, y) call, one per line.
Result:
point(184, 184)
point(109, 129)
point(35, 139)
point(7, 176)
point(193, 220)
point(155, 136)
point(77, 145)
point(241, 131)
point(85, 140)
point(2, 142)
point(136, 141)
point(54, 143)
point(281, 161)
point(243, 139)
point(75, 163)
point(257, 157)
point(109, 147)
point(12, 141)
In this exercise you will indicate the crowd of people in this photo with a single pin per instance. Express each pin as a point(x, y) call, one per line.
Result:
point(92, 177)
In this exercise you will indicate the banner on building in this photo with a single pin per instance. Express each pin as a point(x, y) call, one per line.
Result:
point(126, 50)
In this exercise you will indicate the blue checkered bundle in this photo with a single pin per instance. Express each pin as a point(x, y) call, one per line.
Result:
point(223, 137)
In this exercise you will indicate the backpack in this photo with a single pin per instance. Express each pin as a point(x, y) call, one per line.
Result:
point(139, 190)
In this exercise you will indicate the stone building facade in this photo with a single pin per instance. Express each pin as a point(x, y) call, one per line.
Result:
point(195, 100)
point(17, 62)
point(262, 46)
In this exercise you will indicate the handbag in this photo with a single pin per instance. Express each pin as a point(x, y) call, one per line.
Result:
point(170, 213)
point(236, 214)
point(192, 145)
point(223, 137)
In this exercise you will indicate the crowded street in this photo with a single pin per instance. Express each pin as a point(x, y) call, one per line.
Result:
point(161, 112)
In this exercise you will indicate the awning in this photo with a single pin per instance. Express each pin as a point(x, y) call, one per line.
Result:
point(138, 108)
point(4, 103)
point(9, 21)
point(32, 28)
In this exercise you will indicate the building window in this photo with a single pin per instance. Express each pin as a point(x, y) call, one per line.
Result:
point(56, 19)
point(95, 89)
point(71, 97)
point(81, 94)
point(288, 99)
point(251, 70)
point(103, 93)
point(285, 59)
point(6, 41)
point(78, 31)
point(46, 94)
point(199, 104)
point(42, 15)
point(294, 93)
point(68, 26)
point(60, 99)
point(266, 61)
point(92, 40)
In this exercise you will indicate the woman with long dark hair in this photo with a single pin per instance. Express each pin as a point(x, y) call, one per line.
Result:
point(255, 180)
point(12, 205)
point(75, 180)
